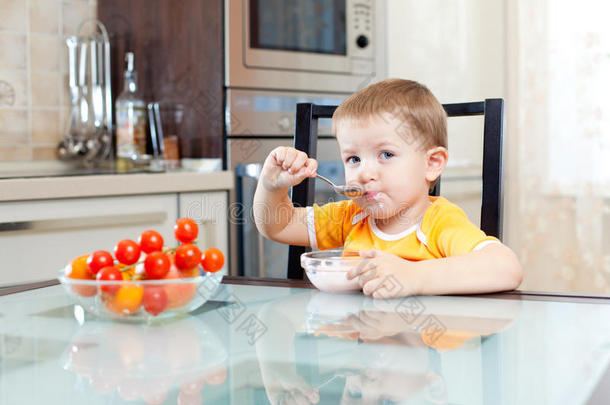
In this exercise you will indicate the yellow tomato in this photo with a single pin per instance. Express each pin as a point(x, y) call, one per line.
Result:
point(77, 269)
point(126, 301)
point(127, 274)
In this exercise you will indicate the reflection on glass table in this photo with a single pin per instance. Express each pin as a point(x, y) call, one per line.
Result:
point(348, 349)
point(257, 344)
point(141, 362)
point(52, 351)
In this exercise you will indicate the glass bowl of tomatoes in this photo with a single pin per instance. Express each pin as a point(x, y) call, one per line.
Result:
point(142, 300)
point(145, 280)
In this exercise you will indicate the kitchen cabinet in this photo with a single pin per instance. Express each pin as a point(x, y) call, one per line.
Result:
point(45, 222)
point(37, 238)
point(178, 48)
point(210, 211)
point(40, 237)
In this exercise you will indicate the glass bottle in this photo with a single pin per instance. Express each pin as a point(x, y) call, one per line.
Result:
point(130, 118)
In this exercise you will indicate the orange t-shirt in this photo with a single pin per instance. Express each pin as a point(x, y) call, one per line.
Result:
point(444, 231)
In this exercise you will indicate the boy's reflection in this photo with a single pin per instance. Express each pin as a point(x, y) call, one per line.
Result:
point(376, 356)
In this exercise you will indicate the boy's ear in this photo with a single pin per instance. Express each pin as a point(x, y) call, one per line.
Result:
point(436, 160)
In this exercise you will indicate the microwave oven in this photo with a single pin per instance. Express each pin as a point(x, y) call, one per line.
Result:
point(304, 45)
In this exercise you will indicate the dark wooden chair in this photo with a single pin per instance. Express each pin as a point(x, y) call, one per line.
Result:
point(306, 139)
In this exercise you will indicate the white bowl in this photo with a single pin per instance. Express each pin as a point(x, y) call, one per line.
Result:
point(327, 270)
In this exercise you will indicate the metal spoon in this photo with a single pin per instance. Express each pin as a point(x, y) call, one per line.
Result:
point(348, 191)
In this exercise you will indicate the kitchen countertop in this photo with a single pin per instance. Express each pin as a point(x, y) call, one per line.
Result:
point(21, 181)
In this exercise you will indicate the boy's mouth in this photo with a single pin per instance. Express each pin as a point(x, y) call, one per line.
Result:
point(371, 195)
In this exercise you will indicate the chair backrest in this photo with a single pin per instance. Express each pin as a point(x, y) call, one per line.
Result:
point(306, 139)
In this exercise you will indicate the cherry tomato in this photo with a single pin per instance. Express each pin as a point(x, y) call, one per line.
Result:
point(98, 260)
point(109, 273)
point(180, 294)
point(126, 301)
point(156, 265)
point(187, 256)
point(127, 251)
point(212, 260)
point(150, 241)
point(186, 230)
point(154, 299)
point(78, 269)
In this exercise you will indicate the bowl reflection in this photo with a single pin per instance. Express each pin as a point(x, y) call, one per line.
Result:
point(140, 362)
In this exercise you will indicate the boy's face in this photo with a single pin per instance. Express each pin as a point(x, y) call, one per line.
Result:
point(390, 164)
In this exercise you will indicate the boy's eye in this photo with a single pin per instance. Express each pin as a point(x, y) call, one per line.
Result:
point(386, 155)
point(353, 159)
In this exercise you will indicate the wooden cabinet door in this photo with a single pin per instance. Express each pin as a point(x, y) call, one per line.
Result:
point(178, 49)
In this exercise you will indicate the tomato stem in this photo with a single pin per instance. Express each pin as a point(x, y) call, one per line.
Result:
point(164, 250)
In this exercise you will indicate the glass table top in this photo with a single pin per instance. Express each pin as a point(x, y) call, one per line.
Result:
point(258, 345)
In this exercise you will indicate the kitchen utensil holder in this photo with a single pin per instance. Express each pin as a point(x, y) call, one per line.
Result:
point(89, 132)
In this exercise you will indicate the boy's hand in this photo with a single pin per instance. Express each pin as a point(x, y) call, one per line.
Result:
point(384, 275)
point(286, 167)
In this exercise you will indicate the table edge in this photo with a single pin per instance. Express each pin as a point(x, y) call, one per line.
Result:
point(292, 283)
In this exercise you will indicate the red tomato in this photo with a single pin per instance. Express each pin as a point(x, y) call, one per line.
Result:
point(98, 260)
point(186, 230)
point(109, 273)
point(180, 294)
point(156, 265)
point(150, 241)
point(187, 256)
point(154, 299)
point(127, 251)
point(212, 260)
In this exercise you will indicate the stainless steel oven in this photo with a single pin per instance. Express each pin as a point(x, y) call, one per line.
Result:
point(306, 45)
point(256, 123)
point(279, 53)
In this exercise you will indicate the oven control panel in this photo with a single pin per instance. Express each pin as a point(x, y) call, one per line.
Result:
point(360, 36)
point(361, 22)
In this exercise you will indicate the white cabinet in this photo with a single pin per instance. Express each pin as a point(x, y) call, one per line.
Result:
point(38, 238)
point(210, 211)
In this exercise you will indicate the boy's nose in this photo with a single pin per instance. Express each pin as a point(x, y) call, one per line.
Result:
point(369, 172)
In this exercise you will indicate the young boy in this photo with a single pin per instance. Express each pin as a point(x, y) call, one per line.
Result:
point(392, 137)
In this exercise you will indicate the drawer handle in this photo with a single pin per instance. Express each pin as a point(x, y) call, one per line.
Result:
point(84, 222)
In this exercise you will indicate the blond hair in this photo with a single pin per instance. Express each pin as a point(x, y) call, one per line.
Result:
point(421, 115)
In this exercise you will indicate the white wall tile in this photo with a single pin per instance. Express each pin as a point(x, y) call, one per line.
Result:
point(13, 14)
